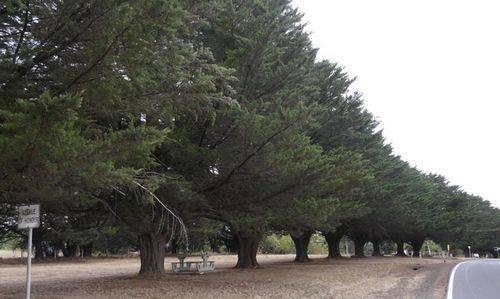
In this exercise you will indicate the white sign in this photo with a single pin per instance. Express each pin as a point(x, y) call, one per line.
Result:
point(29, 216)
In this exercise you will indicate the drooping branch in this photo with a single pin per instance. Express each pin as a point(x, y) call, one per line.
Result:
point(174, 215)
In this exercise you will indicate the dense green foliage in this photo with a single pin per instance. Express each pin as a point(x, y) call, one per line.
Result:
point(129, 121)
point(283, 244)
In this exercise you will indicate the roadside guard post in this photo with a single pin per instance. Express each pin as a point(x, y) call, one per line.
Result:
point(29, 217)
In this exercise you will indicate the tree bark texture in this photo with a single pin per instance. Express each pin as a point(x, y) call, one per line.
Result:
point(69, 250)
point(86, 250)
point(301, 245)
point(38, 243)
point(359, 245)
point(401, 249)
point(333, 241)
point(376, 248)
point(417, 246)
point(152, 253)
point(247, 249)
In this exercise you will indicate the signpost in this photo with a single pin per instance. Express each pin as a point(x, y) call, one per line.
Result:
point(29, 217)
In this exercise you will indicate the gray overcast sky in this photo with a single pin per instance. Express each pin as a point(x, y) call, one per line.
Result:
point(429, 71)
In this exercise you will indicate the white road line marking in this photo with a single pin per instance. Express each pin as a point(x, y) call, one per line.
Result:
point(449, 294)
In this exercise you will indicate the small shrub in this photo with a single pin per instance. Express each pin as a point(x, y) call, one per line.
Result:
point(317, 245)
point(277, 244)
point(283, 244)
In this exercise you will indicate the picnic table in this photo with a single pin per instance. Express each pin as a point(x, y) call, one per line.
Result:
point(187, 266)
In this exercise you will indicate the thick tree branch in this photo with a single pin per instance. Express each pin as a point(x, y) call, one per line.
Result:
point(23, 32)
point(95, 63)
point(244, 161)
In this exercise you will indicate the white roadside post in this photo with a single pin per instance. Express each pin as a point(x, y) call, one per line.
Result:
point(29, 217)
point(470, 254)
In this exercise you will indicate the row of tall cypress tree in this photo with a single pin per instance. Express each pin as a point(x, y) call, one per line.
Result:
point(139, 122)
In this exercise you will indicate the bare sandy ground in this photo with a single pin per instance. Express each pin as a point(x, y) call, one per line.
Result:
point(278, 277)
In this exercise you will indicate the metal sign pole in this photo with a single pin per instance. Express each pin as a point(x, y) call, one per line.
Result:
point(28, 271)
point(29, 217)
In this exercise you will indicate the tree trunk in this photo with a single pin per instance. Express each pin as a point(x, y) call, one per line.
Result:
point(152, 253)
point(301, 244)
point(376, 248)
point(247, 250)
point(231, 244)
point(37, 243)
point(48, 251)
point(214, 245)
point(417, 246)
point(401, 248)
point(86, 250)
point(466, 252)
point(333, 241)
point(173, 246)
point(69, 250)
point(359, 246)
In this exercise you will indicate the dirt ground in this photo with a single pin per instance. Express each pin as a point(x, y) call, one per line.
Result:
point(278, 277)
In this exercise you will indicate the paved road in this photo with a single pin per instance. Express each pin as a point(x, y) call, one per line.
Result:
point(475, 279)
